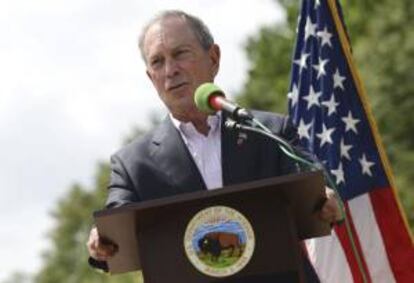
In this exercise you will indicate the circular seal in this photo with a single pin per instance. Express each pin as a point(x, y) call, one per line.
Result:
point(219, 241)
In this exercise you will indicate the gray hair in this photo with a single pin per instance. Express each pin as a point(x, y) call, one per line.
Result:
point(200, 30)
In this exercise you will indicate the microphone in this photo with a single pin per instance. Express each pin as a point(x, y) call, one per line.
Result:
point(209, 98)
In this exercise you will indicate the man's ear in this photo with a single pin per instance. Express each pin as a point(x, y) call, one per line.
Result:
point(214, 53)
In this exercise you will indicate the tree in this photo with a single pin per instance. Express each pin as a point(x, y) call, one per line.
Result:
point(383, 47)
point(66, 261)
point(387, 71)
point(385, 68)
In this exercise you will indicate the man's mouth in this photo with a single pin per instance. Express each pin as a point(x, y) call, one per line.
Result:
point(176, 86)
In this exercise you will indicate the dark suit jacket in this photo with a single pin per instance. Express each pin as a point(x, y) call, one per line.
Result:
point(159, 164)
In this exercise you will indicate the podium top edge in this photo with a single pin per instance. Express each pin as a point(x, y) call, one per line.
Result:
point(227, 190)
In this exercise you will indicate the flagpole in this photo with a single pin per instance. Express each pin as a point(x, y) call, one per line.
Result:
point(347, 50)
point(346, 47)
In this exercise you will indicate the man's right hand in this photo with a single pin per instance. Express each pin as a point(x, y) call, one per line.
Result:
point(100, 249)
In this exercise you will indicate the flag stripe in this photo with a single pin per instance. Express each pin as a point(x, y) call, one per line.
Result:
point(396, 241)
point(335, 265)
point(370, 239)
point(328, 104)
point(346, 47)
point(345, 240)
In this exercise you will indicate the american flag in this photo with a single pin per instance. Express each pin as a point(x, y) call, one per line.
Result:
point(328, 105)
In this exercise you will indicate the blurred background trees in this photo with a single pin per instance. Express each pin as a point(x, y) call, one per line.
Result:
point(383, 46)
point(382, 40)
point(67, 260)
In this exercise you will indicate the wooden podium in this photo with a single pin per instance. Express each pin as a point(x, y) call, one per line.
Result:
point(281, 211)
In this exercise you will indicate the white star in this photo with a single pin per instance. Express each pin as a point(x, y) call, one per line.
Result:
point(310, 28)
point(366, 165)
point(312, 98)
point(293, 95)
point(317, 3)
point(350, 123)
point(339, 174)
point(325, 36)
point(331, 104)
point(338, 80)
point(325, 135)
point(302, 61)
point(345, 148)
point(303, 129)
point(321, 67)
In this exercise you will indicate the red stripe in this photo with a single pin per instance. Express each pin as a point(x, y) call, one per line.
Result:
point(349, 253)
point(397, 241)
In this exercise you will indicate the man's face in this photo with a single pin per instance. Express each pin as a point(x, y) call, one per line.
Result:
point(177, 64)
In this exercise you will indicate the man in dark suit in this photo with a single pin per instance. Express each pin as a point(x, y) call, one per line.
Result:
point(190, 150)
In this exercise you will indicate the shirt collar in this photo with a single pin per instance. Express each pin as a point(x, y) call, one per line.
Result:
point(188, 129)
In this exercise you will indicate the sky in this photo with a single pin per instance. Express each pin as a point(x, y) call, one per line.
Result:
point(72, 86)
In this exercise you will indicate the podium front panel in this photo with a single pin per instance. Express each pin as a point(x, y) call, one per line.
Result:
point(280, 210)
point(276, 251)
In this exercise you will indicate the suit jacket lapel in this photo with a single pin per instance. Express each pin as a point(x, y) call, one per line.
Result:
point(173, 158)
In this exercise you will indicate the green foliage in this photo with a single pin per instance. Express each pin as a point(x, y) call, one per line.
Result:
point(269, 72)
point(383, 45)
point(66, 260)
point(387, 71)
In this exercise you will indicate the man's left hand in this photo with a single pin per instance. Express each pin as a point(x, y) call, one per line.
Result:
point(331, 211)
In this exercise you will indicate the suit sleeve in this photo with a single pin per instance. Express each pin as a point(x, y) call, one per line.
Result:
point(120, 192)
point(120, 189)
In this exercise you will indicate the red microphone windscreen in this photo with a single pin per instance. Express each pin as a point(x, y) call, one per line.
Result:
point(215, 101)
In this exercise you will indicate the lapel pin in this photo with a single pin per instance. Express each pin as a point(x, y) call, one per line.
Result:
point(241, 138)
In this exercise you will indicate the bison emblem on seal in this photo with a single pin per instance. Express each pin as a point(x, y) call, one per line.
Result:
point(215, 242)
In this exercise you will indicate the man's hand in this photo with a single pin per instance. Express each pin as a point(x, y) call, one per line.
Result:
point(100, 249)
point(331, 211)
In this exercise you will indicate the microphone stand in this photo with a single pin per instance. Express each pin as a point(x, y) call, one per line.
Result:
point(287, 149)
point(294, 154)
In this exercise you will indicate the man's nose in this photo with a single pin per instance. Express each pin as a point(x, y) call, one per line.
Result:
point(171, 68)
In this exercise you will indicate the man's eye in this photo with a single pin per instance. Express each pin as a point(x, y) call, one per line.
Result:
point(182, 53)
point(155, 62)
